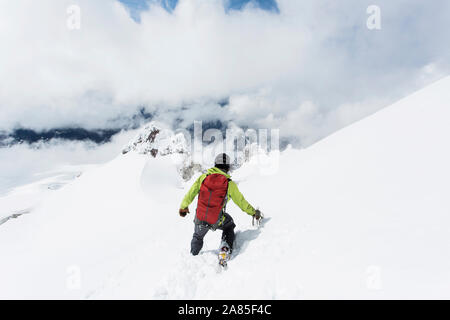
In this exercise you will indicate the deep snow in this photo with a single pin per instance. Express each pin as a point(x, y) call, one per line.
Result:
point(363, 213)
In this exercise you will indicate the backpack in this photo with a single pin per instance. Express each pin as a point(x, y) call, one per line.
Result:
point(211, 198)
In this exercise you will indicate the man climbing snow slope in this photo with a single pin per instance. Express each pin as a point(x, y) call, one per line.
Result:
point(215, 188)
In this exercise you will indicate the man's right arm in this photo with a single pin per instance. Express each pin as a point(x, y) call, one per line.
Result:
point(192, 193)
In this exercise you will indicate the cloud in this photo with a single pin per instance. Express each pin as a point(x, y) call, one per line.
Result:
point(26, 163)
point(309, 69)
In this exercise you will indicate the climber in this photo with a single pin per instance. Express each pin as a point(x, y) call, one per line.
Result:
point(215, 188)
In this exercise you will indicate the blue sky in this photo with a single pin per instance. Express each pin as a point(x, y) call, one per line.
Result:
point(136, 6)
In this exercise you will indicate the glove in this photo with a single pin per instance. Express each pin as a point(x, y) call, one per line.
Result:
point(257, 214)
point(183, 212)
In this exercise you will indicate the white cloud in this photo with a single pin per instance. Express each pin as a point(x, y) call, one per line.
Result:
point(314, 54)
point(22, 163)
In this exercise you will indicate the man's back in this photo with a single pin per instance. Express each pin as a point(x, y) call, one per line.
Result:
point(215, 188)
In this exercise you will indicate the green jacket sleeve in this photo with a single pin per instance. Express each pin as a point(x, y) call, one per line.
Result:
point(192, 193)
point(239, 199)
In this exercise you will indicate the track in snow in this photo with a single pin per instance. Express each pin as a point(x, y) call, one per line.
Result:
point(195, 276)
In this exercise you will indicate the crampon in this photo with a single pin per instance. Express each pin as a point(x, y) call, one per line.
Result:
point(224, 256)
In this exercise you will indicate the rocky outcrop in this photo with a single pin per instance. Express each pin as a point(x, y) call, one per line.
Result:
point(157, 140)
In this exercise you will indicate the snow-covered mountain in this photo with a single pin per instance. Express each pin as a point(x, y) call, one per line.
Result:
point(364, 213)
point(158, 140)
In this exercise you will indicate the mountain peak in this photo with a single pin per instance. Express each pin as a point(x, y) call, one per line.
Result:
point(158, 140)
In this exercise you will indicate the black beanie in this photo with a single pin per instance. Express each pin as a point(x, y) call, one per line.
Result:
point(222, 162)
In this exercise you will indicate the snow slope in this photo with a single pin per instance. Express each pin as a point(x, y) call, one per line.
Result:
point(362, 214)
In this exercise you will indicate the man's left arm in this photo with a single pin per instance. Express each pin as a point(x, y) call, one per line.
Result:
point(239, 199)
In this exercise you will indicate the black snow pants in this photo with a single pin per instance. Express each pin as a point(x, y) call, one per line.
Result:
point(200, 230)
